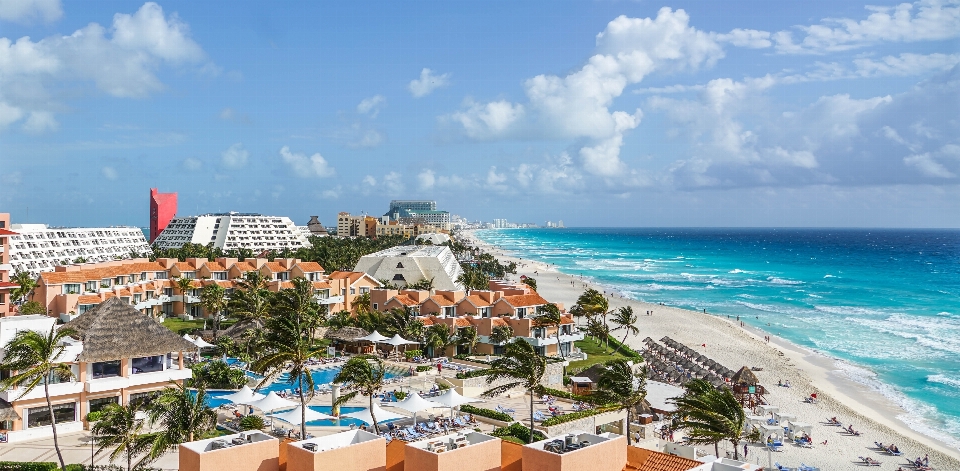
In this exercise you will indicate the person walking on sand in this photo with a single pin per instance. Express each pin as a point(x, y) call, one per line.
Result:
point(745, 451)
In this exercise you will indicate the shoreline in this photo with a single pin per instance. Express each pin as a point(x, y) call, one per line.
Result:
point(807, 370)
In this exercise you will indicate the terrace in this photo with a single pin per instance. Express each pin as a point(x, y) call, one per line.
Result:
point(246, 451)
point(576, 451)
point(354, 450)
point(470, 451)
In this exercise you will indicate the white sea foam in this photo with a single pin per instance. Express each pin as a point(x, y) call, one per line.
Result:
point(829, 276)
point(737, 270)
point(814, 295)
point(944, 379)
point(781, 281)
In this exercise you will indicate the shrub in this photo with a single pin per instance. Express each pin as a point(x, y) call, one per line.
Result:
point(562, 419)
point(400, 395)
point(624, 350)
point(443, 386)
point(251, 422)
point(218, 375)
point(566, 395)
point(518, 433)
point(471, 374)
point(412, 353)
point(94, 416)
point(490, 414)
point(422, 368)
point(18, 466)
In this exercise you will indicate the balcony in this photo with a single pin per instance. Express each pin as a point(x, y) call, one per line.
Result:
point(59, 389)
point(552, 339)
point(330, 300)
point(120, 382)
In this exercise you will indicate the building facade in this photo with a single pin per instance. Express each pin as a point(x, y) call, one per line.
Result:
point(36, 248)
point(227, 231)
point(6, 302)
point(163, 208)
point(405, 265)
point(418, 212)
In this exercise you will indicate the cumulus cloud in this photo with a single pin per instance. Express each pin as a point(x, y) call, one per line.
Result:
point(488, 120)
point(924, 20)
point(109, 173)
point(306, 167)
point(371, 106)
point(40, 122)
point(122, 61)
point(906, 64)
point(749, 38)
point(427, 179)
point(370, 138)
point(392, 183)
point(26, 11)
point(926, 165)
point(427, 83)
point(235, 156)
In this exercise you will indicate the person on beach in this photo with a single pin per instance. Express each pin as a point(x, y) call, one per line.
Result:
point(745, 451)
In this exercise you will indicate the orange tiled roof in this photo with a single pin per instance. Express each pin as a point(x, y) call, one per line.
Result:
point(649, 460)
point(185, 266)
point(426, 321)
point(525, 300)
point(498, 322)
point(274, 267)
point(352, 276)
point(286, 284)
point(214, 266)
point(123, 292)
point(442, 301)
point(405, 300)
point(137, 289)
point(108, 295)
point(321, 285)
point(308, 267)
point(461, 322)
point(88, 299)
point(244, 266)
point(566, 320)
point(98, 273)
point(476, 301)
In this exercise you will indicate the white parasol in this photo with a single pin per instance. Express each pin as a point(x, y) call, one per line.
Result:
point(415, 403)
point(452, 399)
point(382, 415)
point(373, 337)
point(293, 416)
point(272, 402)
point(244, 396)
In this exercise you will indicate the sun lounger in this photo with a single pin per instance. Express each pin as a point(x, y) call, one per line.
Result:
point(538, 416)
point(869, 461)
point(804, 467)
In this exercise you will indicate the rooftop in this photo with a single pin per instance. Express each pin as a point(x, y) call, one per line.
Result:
point(226, 441)
point(569, 443)
point(335, 441)
point(452, 441)
point(410, 251)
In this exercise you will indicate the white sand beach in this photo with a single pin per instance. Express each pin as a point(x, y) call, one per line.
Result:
point(808, 372)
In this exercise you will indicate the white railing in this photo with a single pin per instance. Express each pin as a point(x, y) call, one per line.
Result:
point(120, 382)
point(330, 300)
point(59, 389)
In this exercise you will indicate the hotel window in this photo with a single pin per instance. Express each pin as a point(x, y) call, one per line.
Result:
point(149, 294)
point(484, 311)
point(322, 293)
point(189, 275)
point(353, 291)
point(168, 291)
point(283, 276)
point(364, 290)
point(106, 369)
point(374, 306)
point(160, 275)
point(119, 280)
point(2, 299)
point(40, 416)
point(521, 312)
point(136, 298)
point(91, 286)
point(82, 308)
point(450, 311)
point(147, 364)
point(219, 275)
point(139, 399)
point(71, 288)
point(97, 405)
point(131, 278)
point(143, 276)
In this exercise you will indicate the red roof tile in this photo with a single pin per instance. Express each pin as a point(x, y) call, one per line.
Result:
point(525, 300)
point(649, 460)
point(4, 232)
point(88, 299)
point(442, 301)
point(308, 267)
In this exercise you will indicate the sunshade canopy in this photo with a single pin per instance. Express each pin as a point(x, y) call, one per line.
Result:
point(415, 403)
point(397, 340)
point(451, 398)
point(244, 396)
point(382, 415)
point(272, 402)
point(373, 337)
point(294, 416)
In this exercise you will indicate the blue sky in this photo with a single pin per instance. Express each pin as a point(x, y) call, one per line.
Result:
point(598, 113)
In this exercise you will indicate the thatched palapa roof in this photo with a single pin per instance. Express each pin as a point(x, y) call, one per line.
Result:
point(745, 377)
point(346, 334)
point(239, 329)
point(6, 412)
point(113, 330)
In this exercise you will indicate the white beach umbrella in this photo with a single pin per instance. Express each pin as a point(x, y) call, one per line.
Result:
point(382, 415)
point(373, 337)
point(397, 340)
point(200, 343)
point(415, 403)
point(244, 396)
point(451, 398)
point(272, 402)
point(293, 416)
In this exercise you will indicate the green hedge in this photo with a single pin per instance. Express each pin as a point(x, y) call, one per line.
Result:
point(564, 394)
point(18, 466)
point(488, 413)
point(624, 350)
point(562, 419)
point(422, 368)
point(412, 353)
point(471, 374)
point(518, 433)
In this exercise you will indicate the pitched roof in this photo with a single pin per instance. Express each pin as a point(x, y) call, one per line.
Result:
point(477, 301)
point(499, 322)
point(244, 266)
point(522, 300)
point(96, 274)
point(566, 320)
point(649, 460)
point(352, 276)
point(113, 330)
point(321, 285)
point(461, 322)
point(214, 266)
point(441, 300)
point(308, 267)
point(274, 267)
point(745, 376)
point(88, 299)
point(4, 232)
point(405, 300)
point(185, 266)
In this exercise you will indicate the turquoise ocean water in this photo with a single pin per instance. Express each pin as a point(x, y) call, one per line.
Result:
point(885, 301)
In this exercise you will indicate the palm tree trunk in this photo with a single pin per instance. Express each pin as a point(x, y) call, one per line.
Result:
point(736, 453)
point(628, 427)
point(303, 412)
point(53, 423)
point(716, 449)
point(530, 440)
point(376, 428)
point(129, 461)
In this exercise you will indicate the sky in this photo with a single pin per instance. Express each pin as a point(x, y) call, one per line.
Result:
point(599, 113)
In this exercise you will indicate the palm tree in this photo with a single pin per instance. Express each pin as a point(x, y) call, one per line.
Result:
point(710, 415)
point(625, 319)
point(473, 279)
point(289, 341)
point(213, 299)
point(340, 319)
point(250, 302)
point(364, 375)
point(596, 329)
point(501, 334)
point(531, 282)
point(361, 304)
point(549, 316)
point(184, 285)
point(438, 337)
point(27, 283)
point(422, 284)
point(522, 364)
point(182, 415)
point(120, 428)
point(592, 303)
point(467, 337)
point(404, 321)
point(33, 357)
point(619, 385)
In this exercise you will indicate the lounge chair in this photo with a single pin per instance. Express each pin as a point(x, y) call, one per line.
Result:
point(804, 467)
point(538, 416)
point(869, 461)
point(505, 410)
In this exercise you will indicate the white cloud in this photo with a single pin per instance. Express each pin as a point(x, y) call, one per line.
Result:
point(305, 167)
point(9, 114)
point(192, 164)
point(369, 139)
point(371, 106)
point(906, 64)
point(489, 120)
point(332, 193)
point(427, 179)
point(926, 165)
point(227, 114)
point(109, 173)
point(369, 180)
point(235, 156)
point(25, 11)
point(40, 122)
point(392, 183)
point(924, 20)
point(121, 61)
point(750, 38)
point(427, 83)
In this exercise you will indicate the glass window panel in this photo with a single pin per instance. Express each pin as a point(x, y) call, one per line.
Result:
point(106, 369)
point(147, 364)
point(40, 416)
point(102, 402)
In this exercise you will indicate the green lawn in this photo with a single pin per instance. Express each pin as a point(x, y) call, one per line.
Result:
point(595, 354)
point(177, 325)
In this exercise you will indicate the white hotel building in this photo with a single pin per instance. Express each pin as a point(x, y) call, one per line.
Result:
point(37, 248)
point(234, 231)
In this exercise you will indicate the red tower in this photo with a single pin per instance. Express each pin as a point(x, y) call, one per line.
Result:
point(163, 206)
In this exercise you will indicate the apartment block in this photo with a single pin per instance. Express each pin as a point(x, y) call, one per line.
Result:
point(37, 248)
point(251, 231)
point(6, 302)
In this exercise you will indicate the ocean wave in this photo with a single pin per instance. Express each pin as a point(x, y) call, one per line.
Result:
point(851, 310)
point(944, 379)
point(737, 270)
point(814, 295)
point(829, 276)
point(781, 281)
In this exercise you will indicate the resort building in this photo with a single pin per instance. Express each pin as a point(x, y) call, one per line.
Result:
point(6, 302)
point(418, 212)
point(119, 356)
point(349, 225)
point(314, 228)
point(245, 451)
point(511, 306)
point(354, 450)
point(37, 248)
point(405, 265)
point(150, 287)
point(163, 207)
point(228, 231)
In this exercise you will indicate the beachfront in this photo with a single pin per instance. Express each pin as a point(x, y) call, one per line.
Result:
point(733, 346)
